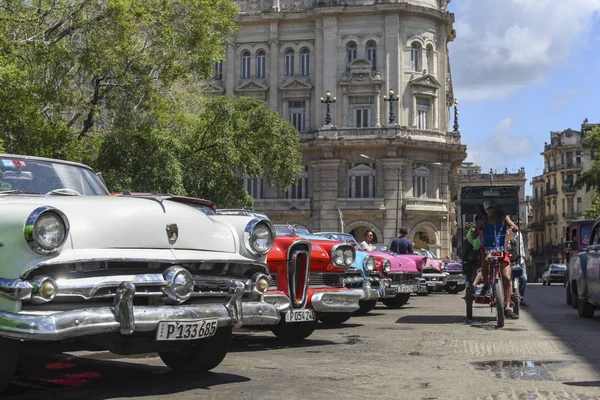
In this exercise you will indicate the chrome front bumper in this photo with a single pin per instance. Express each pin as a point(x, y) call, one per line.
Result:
point(456, 280)
point(440, 279)
point(336, 300)
point(125, 318)
point(420, 286)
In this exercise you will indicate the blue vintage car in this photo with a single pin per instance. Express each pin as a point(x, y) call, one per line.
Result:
point(583, 284)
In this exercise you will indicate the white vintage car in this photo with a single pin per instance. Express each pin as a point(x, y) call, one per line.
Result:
point(130, 274)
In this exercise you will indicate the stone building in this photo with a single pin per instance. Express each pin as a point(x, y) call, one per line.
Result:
point(369, 162)
point(555, 201)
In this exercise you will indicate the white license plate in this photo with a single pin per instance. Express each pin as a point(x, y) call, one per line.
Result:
point(300, 315)
point(186, 330)
point(431, 283)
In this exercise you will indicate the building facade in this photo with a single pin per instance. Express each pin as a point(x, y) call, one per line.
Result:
point(555, 201)
point(373, 159)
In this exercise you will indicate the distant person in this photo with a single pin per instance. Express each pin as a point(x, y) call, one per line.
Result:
point(401, 245)
point(366, 244)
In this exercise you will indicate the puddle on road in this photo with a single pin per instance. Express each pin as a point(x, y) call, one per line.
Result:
point(522, 370)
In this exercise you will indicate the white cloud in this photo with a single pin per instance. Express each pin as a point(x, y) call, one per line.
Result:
point(505, 45)
point(501, 148)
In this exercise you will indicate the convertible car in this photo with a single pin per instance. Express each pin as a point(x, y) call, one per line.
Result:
point(130, 274)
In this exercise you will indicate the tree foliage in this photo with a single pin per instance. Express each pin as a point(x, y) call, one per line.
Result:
point(590, 179)
point(593, 211)
point(112, 83)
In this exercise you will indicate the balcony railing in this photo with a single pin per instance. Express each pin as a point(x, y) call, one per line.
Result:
point(551, 192)
point(425, 206)
point(401, 132)
point(366, 204)
point(570, 165)
point(280, 205)
point(551, 218)
point(569, 189)
point(569, 215)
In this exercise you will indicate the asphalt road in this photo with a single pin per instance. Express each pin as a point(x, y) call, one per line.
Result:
point(426, 350)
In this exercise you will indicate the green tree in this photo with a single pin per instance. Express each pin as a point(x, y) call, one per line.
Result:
point(593, 211)
point(590, 179)
point(77, 66)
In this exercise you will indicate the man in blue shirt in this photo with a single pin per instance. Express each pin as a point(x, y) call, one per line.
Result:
point(401, 245)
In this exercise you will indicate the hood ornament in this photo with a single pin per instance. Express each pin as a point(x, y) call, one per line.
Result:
point(172, 232)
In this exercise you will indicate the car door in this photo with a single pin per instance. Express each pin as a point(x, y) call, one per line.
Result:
point(593, 264)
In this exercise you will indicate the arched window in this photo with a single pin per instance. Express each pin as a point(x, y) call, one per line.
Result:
point(350, 53)
point(305, 62)
point(429, 60)
point(289, 62)
point(421, 182)
point(372, 53)
point(361, 180)
point(261, 64)
point(415, 56)
point(245, 65)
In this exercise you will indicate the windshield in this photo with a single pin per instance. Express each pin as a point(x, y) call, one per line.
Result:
point(585, 234)
point(344, 237)
point(41, 177)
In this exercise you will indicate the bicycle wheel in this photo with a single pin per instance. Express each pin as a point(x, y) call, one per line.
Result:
point(499, 294)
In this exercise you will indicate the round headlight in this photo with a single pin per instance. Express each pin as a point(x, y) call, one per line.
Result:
point(46, 230)
point(348, 257)
point(338, 257)
point(422, 264)
point(49, 231)
point(261, 237)
point(387, 266)
point(369, 263)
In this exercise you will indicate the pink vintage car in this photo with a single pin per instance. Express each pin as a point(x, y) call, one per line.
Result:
point(404, 271)
point(433, 272)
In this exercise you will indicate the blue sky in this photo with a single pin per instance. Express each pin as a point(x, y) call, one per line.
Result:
point(520, 69)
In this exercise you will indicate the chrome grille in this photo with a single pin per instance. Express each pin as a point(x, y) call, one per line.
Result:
point(320, 279)
point(407, 278)
point(274, 282)
point(298, 272)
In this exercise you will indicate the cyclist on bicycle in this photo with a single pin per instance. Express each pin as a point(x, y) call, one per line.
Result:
point(495, 233)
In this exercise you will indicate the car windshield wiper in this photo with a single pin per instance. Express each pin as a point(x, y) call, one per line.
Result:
point(17, 192)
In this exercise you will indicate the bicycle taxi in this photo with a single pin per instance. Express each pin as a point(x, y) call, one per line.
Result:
point(472, 199)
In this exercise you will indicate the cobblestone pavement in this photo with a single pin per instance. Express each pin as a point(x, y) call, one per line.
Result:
point(426, 350)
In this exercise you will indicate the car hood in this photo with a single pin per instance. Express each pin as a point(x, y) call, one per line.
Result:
point(454, 266)
point(101, 222)
point(400, 263)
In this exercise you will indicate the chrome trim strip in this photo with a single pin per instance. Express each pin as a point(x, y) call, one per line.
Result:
point(335, 301)
point(15, 289)
point(292, 265)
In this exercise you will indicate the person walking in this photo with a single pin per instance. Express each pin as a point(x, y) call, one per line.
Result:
point(401, 245)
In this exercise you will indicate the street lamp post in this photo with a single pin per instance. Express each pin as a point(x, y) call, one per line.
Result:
point(328, 100)
point(391, 99)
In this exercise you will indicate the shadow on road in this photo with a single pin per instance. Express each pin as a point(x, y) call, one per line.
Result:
point(547, 306)
point(442, 319)
point(245, 343)
point(322, 327)
point(68, 377)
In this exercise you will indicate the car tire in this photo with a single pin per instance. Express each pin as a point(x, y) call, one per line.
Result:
point(294, 331)
point(568, 295)
point(469, 297)
point(423, 293)
point(398, 301)
point(575, 295)
point(10, 358)
point(200, 355)
point(337, 318)
point(366, 306)
point(454, 289)
point(585, 309)
point(430, 289)
point(548, 283)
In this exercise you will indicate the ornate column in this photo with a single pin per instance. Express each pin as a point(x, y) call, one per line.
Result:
point(377, 108)
point(330, 36)
point(434, 106)
point(414, 111)
point(273, 65)
point(230, 63)
point(307, 114)
point(393, 62)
